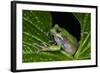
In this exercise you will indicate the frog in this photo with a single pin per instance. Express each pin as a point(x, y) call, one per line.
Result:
point(62, 40)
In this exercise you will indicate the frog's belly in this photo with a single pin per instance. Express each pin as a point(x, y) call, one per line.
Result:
point(68, 47)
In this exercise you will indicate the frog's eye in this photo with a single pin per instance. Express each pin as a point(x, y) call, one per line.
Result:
point(51, 35)
point(58, 31)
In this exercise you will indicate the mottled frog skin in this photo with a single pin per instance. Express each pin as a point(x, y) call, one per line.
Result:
point(66, 41)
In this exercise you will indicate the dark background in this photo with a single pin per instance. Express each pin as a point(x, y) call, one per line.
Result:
point(67, 21)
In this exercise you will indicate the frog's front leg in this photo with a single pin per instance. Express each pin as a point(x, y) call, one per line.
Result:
point(53, 47)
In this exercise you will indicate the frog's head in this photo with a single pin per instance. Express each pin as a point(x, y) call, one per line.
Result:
point(56, 31)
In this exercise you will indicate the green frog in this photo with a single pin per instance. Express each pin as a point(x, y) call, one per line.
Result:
point(62, 39)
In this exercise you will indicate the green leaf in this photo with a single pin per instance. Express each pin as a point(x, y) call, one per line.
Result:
point(36, 25)
point(84, 49)
point(84, 19)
